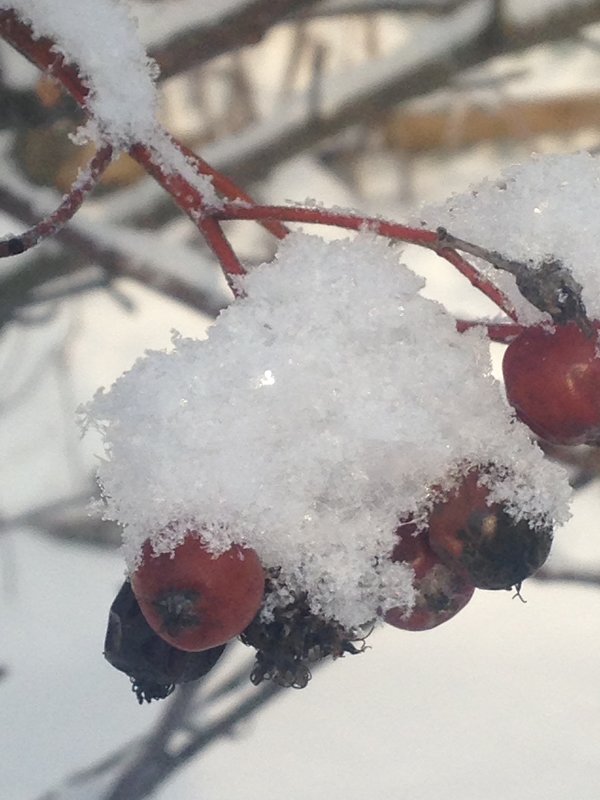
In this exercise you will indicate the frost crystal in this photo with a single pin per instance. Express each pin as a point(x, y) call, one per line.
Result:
point(322, 408)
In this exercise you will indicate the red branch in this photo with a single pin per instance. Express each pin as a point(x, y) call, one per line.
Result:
point(190, 200)
point(393, 230)
point(43, 54)
point(71, 203)
point(229, 189)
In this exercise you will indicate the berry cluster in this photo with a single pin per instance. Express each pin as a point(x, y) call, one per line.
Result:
point(337, 451)
point(277, 538)
point(170, 624)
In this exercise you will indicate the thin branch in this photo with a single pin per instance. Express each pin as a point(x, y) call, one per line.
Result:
point(229, 189)
point(393, 230)
point(41, 52)
point(16, 288)
point(246, 25)
point(402, 76)
point(153, 762)
point(71, 203)
point(585, 577)
point(338, 8)
point(146, 763)
point(192, 203)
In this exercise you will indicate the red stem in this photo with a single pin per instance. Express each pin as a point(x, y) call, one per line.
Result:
point(190, 200)
point(393, 230)
point(40, 52)
point(229, 188)
point(70, 204)
point(501, 332)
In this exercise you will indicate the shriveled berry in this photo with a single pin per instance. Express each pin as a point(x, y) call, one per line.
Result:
point(294, 639)
point(495, 551)
point(154, 666)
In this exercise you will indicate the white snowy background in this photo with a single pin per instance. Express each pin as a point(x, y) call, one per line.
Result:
point(502, 702)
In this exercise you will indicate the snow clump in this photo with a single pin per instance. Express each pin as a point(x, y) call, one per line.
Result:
point(100, 39)
point(527, 215)
point(322, 409)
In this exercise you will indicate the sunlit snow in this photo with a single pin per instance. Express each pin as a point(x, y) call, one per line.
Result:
point(527, 214)
point(101, 40)
point(322, 409)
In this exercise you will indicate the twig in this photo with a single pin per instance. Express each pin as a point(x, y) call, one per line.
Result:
point(192, 203)
point(246, 25)
point(569, 576)
point(393, 230)
point(71, 203)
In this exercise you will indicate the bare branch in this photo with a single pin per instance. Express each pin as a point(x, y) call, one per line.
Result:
point(69, 205)
point(245, 26)
point(146, 763)
point(338, 8)
point(251, 154)
point(585, 577)
point(153, 763)
point(399, 77)
point(68, 518)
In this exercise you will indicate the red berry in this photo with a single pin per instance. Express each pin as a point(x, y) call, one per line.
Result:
point(552, 381)
point(496, 551)
point(195, 600)
point(440, 591)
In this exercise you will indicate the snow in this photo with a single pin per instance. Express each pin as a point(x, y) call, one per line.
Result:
point(101, 40)
point(313, 418)
point(501, 702)
point(526, 214)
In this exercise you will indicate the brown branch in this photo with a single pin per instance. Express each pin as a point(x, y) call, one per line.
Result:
point(146, 763)
point(68, 519)
point(245, 26)
point(263, 146)
point(338, 8)
point(255, 159)
point(585, 577)
point(154, 766)
point(153, 762)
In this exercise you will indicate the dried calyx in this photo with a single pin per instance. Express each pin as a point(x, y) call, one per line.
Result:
point(548, 286)
point(294, 639)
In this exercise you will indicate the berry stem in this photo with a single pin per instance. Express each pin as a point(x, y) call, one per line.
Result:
point(501, 332)
point(191, 201)
point(41, 52)
point(393, 230)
